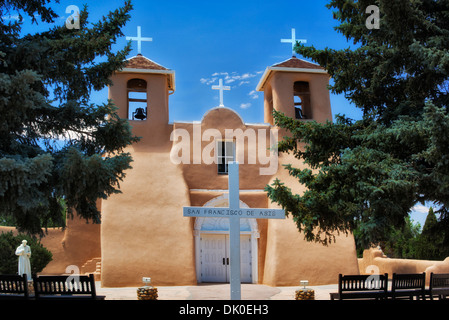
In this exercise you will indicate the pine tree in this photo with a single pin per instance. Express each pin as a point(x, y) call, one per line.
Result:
point(430, 245)
point(54, 143)
point(402, 243)
point(369, 173)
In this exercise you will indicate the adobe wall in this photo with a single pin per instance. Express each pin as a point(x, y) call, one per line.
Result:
point(206, 184)
point(374, 261)
point(280, 92)
point(156, 125)
point(143, 231)
point(76, 244)
point(216, 122)
point(296, 259)
point(290, 258)
point(285, 257)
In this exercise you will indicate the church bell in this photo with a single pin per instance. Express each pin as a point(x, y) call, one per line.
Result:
point(139, 114)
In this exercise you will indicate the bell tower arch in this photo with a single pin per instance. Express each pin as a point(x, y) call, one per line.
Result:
point(297, 88)
point(141, 92)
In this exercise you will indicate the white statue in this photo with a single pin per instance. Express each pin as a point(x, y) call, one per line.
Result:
point(24, 253)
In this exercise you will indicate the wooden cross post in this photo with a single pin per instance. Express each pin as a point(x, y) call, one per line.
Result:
point(234, 213)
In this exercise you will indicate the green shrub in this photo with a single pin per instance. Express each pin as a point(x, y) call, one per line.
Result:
point(39, 259)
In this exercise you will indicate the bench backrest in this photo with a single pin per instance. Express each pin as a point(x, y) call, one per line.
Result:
point(408, 281)
point(65, 285)
point(14, 284)
point(439, 280)
point(362, 282)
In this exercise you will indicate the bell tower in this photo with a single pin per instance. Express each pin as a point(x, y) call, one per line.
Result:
point(297, 88)
point(140, 91)
point(142, 232)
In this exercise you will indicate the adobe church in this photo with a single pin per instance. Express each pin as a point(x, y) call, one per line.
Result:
point(143, 230)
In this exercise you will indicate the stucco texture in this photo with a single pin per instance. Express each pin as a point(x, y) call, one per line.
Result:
point(143, 231)
point(297, 259)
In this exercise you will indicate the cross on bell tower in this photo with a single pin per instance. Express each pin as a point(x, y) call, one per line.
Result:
point(139, 40)
point(293, 41)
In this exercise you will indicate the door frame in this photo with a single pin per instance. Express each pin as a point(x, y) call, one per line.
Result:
point(254, 235)
point(198, 256)
point(225, 237)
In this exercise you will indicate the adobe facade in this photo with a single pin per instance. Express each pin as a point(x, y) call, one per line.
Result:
point(143, 231)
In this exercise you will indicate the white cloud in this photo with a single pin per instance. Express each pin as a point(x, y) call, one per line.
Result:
point(220, 74)
point(11, 17)
point(245, 105)
point(208, 81)
point(230, 77)
point(419, 208)
point(253, 94)
point(419, 213)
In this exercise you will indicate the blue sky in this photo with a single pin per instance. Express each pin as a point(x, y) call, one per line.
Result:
point(203, 41)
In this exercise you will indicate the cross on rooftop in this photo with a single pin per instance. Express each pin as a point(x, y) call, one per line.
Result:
point(293, 40)
point(221, 87)
point(139, 39)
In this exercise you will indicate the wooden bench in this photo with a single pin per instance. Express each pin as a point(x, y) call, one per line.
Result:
point(408, 285)
point(65, 287)
point(438, 285)
point(13, 287)
point(361, 287)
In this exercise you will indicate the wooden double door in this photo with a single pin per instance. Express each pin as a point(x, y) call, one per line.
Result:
point(215, 261)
